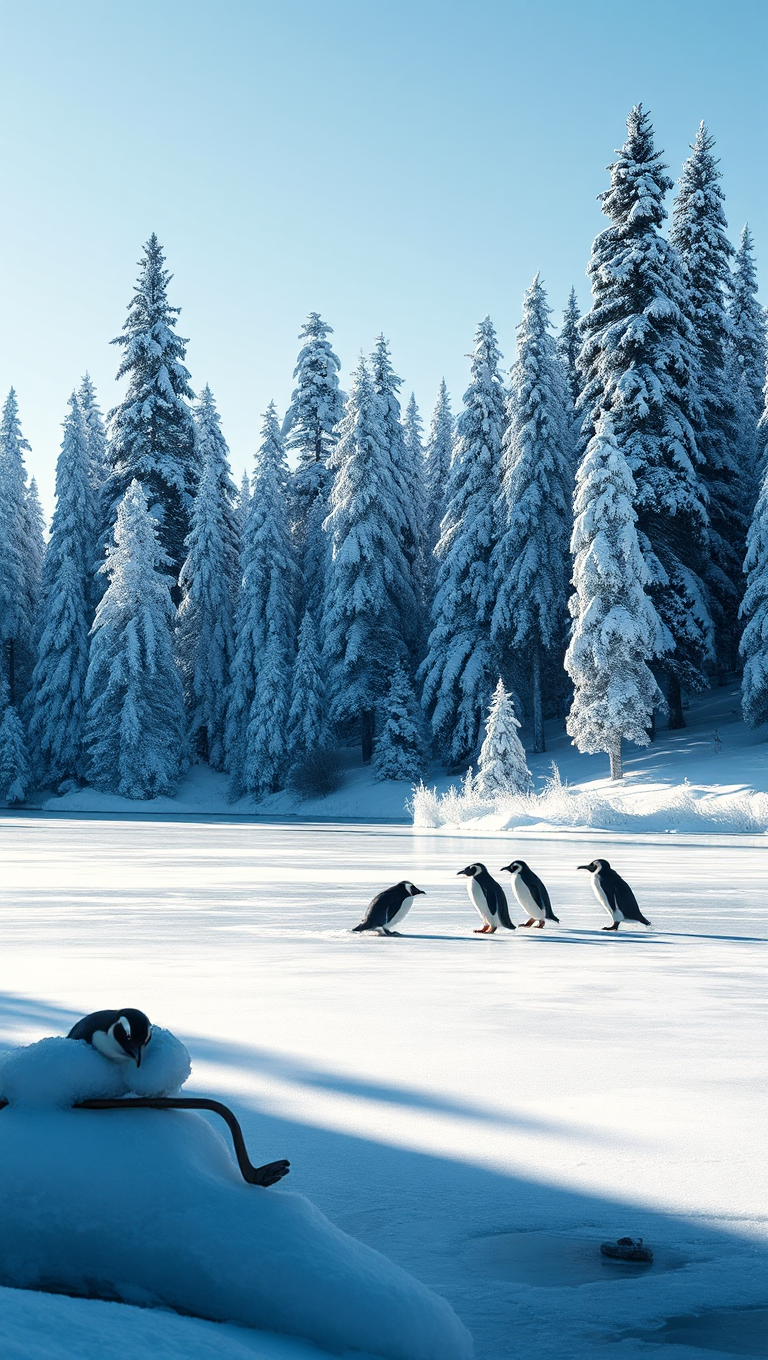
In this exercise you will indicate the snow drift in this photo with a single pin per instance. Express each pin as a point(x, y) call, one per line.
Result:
point(147, 1207)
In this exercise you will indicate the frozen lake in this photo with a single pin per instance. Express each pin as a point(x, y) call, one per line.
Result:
point(443, 1094)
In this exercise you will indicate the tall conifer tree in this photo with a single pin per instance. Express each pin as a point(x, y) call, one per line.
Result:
point(20, 552)
point(405, 491)
point(754, 607)
point(569, 344)
point(748, 339)
point(438, 465)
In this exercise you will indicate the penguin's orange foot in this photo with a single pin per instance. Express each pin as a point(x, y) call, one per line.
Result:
point(539, 925)
point(525, 924)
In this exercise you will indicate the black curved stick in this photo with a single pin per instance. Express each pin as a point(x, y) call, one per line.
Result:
point(254, 1175)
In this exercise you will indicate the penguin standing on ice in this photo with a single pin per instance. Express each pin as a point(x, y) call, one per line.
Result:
point(488, 897)
point(530, 893)
point(120, 1035)
point(389, 908)
point(613, 894)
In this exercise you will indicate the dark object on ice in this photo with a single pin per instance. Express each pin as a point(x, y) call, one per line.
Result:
point(613, 894)
point(316, 774)
point(389, 908)
point(530, 893)
point(120, 1035)
point(625, 1249)
point(487, 897)
point(254, 1175)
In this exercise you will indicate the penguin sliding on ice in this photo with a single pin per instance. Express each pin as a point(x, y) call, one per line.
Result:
point(389, 908)
point(120, 1035)
point(530, 893)
point(488, 897)
point(613, 894)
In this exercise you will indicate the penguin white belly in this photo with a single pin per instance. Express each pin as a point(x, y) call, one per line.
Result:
point(478, 900)
point(614, 913)
point(527, 900)
point(400, 914)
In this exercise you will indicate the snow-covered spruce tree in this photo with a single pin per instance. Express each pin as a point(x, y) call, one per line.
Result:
point(638, 362)
point(399, 750)
point(437, 468)
point(529, 560)
point(99, 473)
point(152, 434)
point(243, 503)
point(307, 720)
point(569, 345)
point(459, 667)
point(134, 730)
point(57, 696)
point(19, 558)
point(317, 406)
point(256, 738)
point(14, 758)
point(616, 630)
point(501, 768)
point(406, 494)
point(748, 340)
point(34, 533)
point(368, 576)
point(699, 233)
point(209, 581)
point(754, 606)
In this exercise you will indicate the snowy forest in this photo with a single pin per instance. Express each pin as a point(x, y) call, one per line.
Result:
point(585, 536)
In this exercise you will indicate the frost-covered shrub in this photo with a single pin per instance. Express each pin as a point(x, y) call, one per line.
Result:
point(316, 774)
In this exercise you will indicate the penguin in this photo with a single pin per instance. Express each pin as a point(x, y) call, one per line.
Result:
point(389, 908)
point(613, 894)
point(530, 893)
point(488, 897)
point(120, 1035)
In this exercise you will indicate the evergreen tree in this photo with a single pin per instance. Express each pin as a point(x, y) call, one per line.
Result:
point(569, 345)
point(14, 759)
point(529, 560)
point(502, 768)
point(405, 492)
point(616, 630)
point(58, 681)
point(438, 465)
point(748, 339)
point(134, 699)
point(460, 664)
point(639, 363)
point(307, 727)
point(317, 406)
point(209, 583)
point(34, 533)
point(699, 233)
point(243, 503)
point(368, 577)
point(152, 436)
point(754, 607)
point(399, 750)
point(257, 716)
point(98, 454)
point(20, 550)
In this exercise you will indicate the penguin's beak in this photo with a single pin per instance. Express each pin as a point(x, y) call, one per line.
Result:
point(588, 867)
point(137, 1052)
point(462, 873)
point(419, 892)
point(505, 869)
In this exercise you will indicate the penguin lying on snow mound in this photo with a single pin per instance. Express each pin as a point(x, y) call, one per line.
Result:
point(488, 897)
point(614, 894)
point(530, 893)
point(120, 1035)
point(389, 908)
point(147, 1206)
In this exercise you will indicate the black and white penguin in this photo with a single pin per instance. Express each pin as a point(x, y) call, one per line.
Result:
point(389, 908)
point(488, 897)
point(120, 1035)
point(530, 893)
point(613, 894)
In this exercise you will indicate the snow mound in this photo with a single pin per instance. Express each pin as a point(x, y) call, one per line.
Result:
point(60, 1072)
point(148, 1207)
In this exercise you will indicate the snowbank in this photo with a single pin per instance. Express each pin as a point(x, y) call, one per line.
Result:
point(147, 1207)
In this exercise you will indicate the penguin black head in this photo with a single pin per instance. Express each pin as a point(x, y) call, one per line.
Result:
point(410, 889)
point(594, 866)
point(471, 871)
point(119, 1035)
point(513, 868)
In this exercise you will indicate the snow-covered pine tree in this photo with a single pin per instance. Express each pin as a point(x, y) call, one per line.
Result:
point(406, 493)
point(307, 720)
point(754, 606)
point(96, 433)
point(243, 503)
point(256, 739)
point(209, 582)
point(57, 707)
point(317, 406)
point(152, 434)
point(529, 560)
point(616, 630)
point(413, 435)
point(639, 362)
point(748, 339)
point(20, 543)
point(569, 344)
point(438, 465)
point(459, 667)
point(502, 768)
point(399, 752)
point(368, 576)
point(134, 699)
point(14, 758)
point(34, 533)
point(699, 233)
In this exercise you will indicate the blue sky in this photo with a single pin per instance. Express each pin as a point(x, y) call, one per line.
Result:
point(404, 167)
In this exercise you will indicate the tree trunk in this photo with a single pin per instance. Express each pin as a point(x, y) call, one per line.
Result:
point(675, 701)
point(366, 735)
point(538, 717)
point(651, 728)
point(614, 755)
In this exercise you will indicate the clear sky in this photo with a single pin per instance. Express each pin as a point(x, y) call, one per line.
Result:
point(403, 166)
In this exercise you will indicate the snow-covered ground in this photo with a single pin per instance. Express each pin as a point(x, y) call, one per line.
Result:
point(484, 1111)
